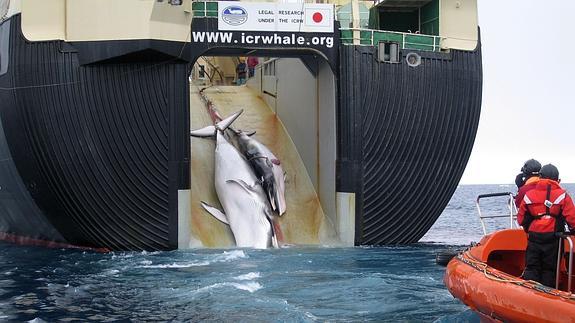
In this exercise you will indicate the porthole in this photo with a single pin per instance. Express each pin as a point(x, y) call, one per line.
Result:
point(413, 59)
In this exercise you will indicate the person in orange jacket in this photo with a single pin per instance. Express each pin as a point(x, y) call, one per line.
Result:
point(544, 211)
point(527, 179)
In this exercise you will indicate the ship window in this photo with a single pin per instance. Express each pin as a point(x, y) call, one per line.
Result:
point(414, 16)
point(388, 52)
point(402, 21)
point(270, 68)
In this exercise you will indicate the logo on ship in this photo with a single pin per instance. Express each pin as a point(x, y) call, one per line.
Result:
point(234, 15)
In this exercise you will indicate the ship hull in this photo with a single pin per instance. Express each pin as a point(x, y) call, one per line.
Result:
point(96, 148)
point(405, 136)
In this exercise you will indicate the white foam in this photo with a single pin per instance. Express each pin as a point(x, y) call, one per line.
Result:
point(175, 265)
point(226, 256)
point(249, 276)
point(248, 286)
point(231, 255)
point(36, 320)
point(311, 316)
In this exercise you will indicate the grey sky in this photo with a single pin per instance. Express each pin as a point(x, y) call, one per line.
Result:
point(528, 93)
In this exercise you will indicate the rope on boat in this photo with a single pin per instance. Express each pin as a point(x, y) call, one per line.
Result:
point(465, 257)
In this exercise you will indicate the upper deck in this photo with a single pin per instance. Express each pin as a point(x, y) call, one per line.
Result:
point(433, 25)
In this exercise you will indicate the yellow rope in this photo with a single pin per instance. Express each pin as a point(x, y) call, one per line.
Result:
point(477, 264)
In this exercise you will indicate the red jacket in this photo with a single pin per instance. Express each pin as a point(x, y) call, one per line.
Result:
point(533, 205)
point(530, 184)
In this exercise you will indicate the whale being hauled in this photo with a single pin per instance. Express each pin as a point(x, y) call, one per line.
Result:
point(266, 166)
point(245, 205)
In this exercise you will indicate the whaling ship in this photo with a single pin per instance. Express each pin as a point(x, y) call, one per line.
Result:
point(374, 112)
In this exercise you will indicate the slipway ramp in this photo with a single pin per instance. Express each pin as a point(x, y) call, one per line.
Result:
point(304, 222)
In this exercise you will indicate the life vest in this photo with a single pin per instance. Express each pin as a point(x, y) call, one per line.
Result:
point(544, 209)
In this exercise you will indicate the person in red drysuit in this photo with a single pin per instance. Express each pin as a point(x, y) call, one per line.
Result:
point(544, 211)
point(252, 63)
point(527, 179)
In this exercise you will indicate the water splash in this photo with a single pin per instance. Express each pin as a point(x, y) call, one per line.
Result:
point(249, 276)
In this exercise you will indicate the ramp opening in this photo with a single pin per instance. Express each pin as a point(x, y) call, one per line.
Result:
point(290, 102)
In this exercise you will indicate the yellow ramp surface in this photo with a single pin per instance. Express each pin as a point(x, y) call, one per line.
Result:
point(303, 222)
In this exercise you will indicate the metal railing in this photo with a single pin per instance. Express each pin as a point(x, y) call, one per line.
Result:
point(205, 9)
point(510, 204)
point(407, 40)
point(513, 223)
point(371, 37)
point(569, 238)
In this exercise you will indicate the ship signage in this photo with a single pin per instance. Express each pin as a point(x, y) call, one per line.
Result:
point(266, 16)
point(234, 15)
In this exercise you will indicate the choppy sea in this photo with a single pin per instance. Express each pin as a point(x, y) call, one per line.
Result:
point(295, 284)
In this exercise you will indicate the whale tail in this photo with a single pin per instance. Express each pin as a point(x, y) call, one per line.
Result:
point(210, 131)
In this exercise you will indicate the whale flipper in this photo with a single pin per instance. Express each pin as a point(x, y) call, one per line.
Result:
point(216, 213)
point(249, 188)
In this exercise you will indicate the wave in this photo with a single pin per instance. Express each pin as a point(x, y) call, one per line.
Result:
point(249, 276)
point(226, 256)
point(230, 255)
point(175, 265)
point(248, 286)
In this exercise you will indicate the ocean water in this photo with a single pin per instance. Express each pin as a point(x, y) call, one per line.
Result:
point(295, 284)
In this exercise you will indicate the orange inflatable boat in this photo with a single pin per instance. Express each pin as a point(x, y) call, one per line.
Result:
point(486, 277)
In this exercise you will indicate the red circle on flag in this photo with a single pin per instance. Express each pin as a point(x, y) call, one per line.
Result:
point(317, 17)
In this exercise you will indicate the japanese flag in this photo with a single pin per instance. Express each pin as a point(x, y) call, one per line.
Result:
point(319, 17)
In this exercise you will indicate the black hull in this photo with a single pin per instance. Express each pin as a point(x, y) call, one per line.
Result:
point(98, 150)
point(97, 157)
point(405, 136)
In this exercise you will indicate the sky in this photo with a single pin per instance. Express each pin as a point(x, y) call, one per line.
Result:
point(528, 105)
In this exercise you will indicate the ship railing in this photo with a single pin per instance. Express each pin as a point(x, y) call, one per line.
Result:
point(512, 215)
point(205, 9)
point(372, 37)
point(562, 238)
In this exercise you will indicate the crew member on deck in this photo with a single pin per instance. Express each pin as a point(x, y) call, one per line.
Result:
point(543, 212)
point(527, 179)
point(253, 61)
point(241, 72)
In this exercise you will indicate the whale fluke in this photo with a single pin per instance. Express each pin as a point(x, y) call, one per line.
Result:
point(210, 131)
